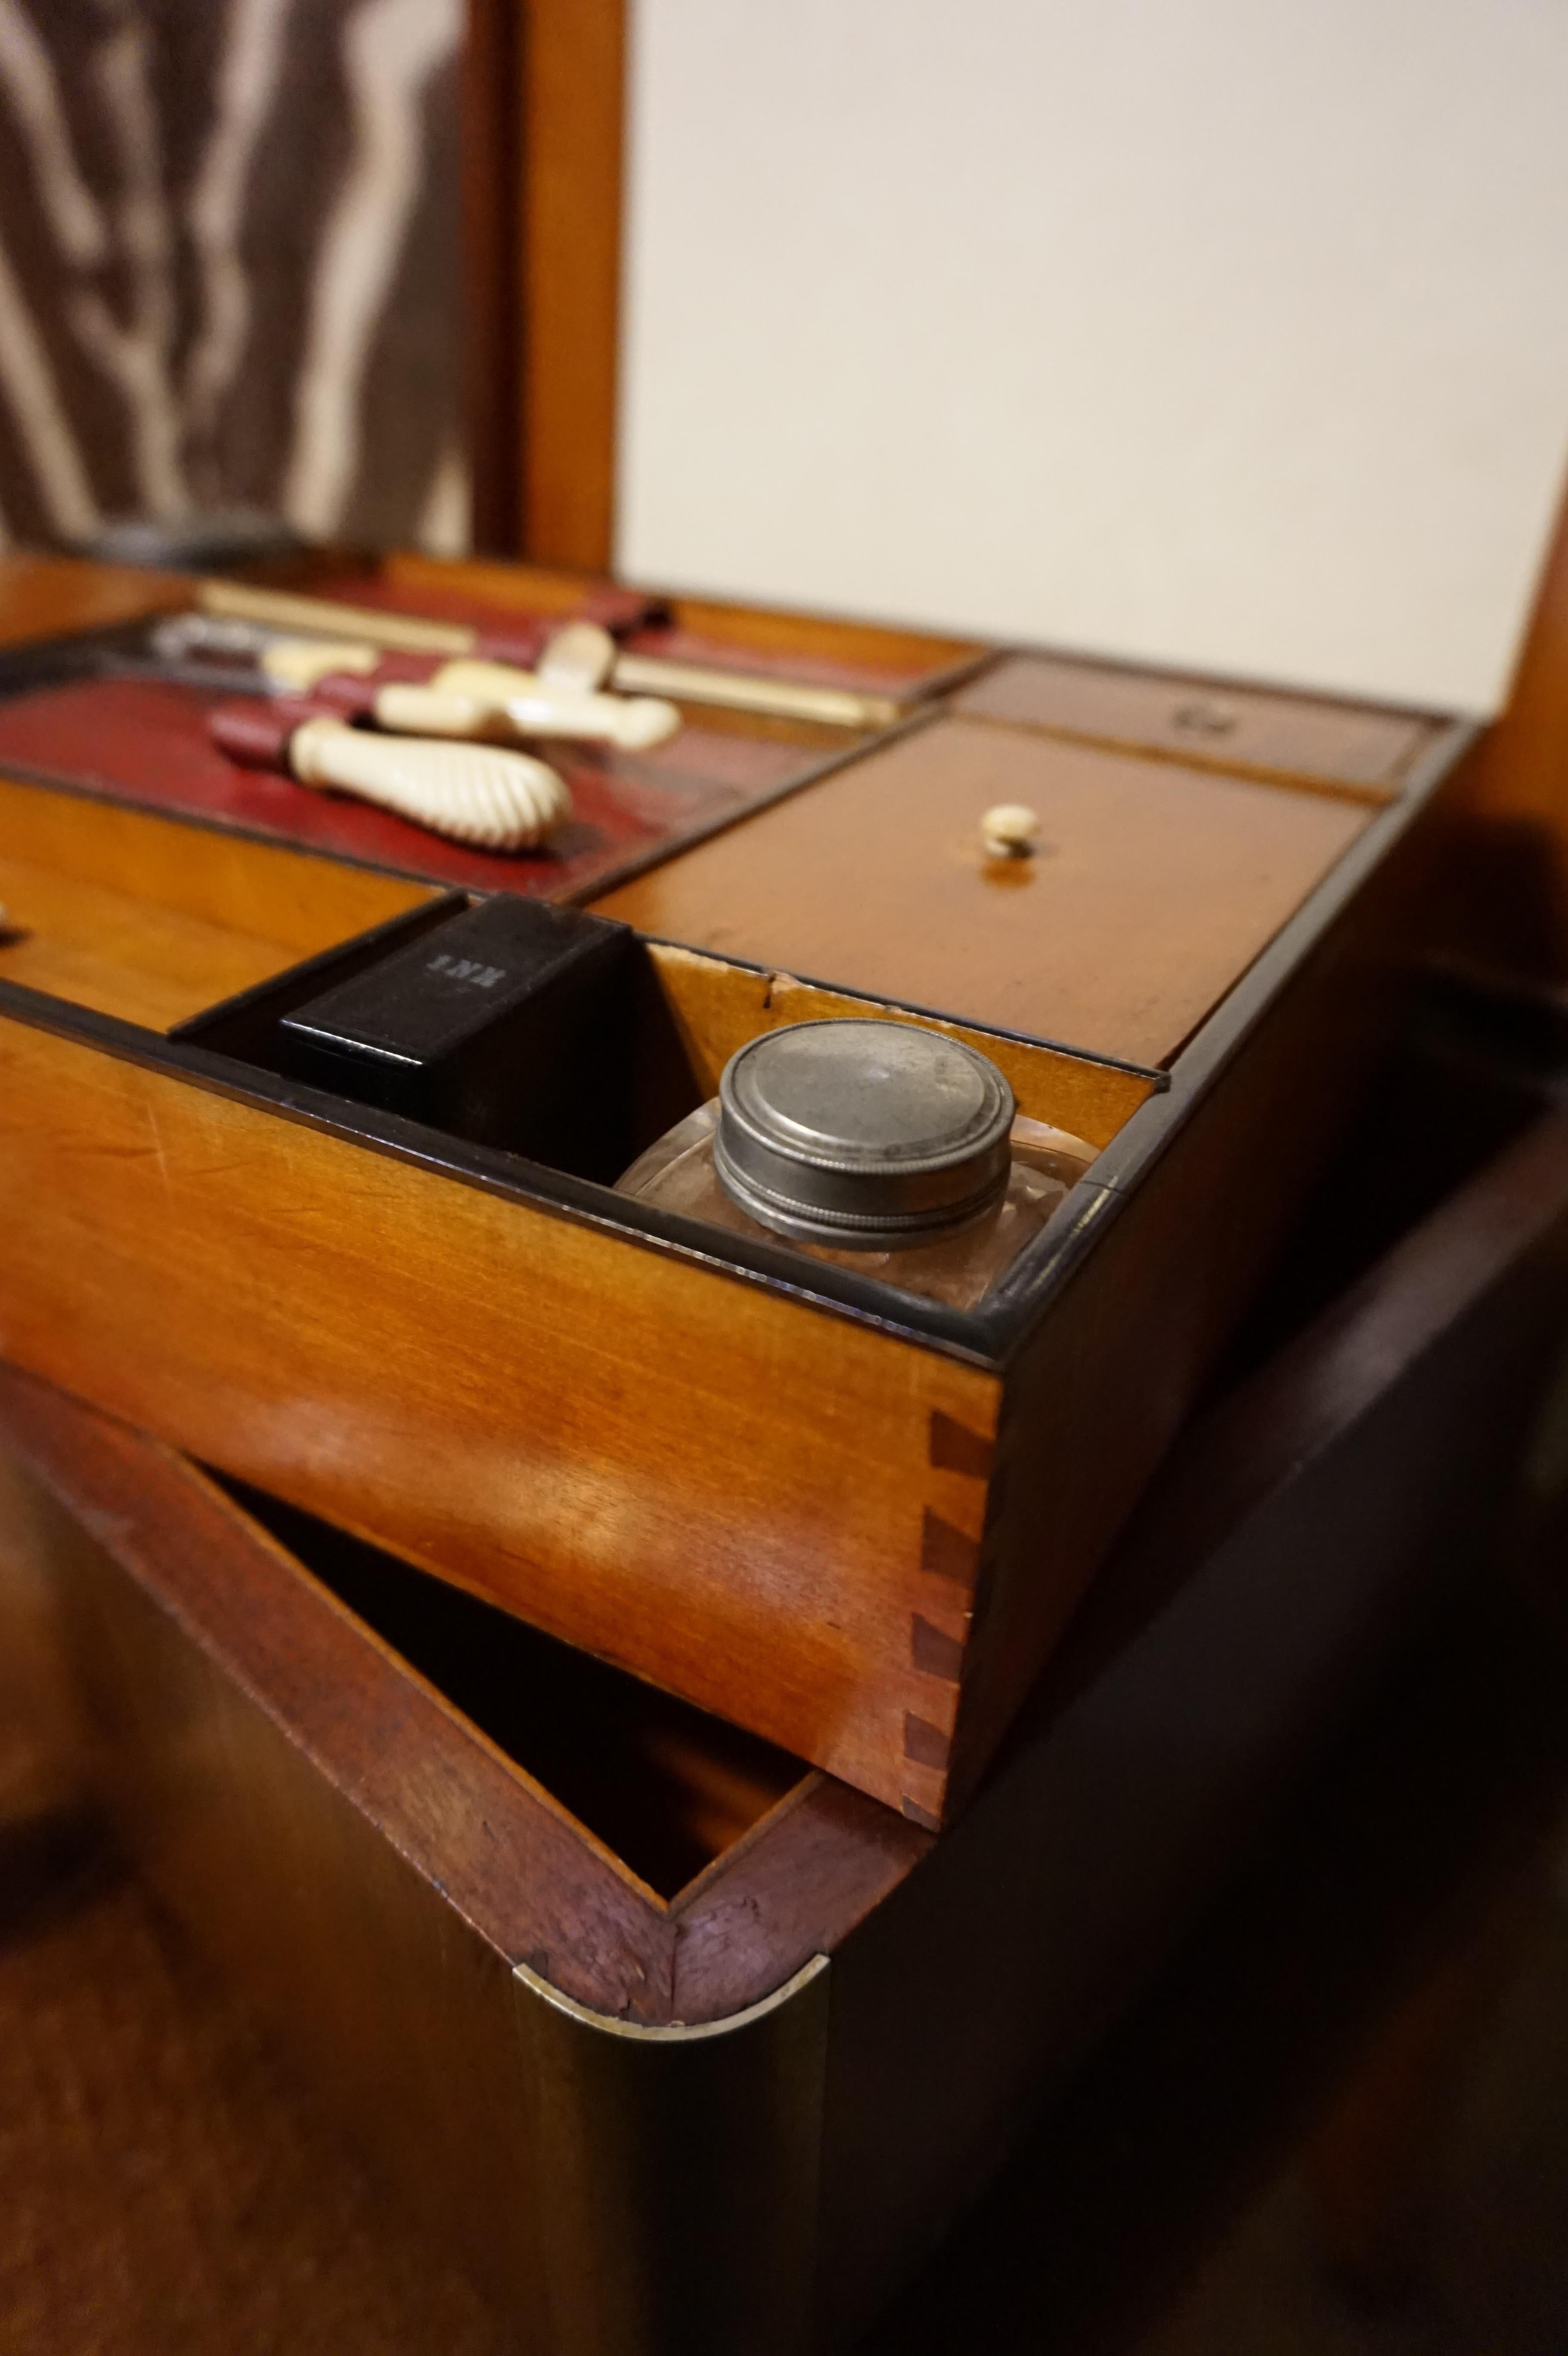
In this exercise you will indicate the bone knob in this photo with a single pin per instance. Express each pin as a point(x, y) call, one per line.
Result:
point(1009, 832)
point(471, 793)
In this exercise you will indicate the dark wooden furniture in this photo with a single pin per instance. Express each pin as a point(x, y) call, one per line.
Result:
point(684, 2042)
point(685, 2046)
point(543, 104)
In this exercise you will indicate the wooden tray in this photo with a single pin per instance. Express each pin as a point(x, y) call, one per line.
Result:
point(146, 742)
point(850, 1518)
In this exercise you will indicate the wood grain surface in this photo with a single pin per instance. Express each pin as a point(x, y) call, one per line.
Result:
point(1154, 889)
point(474, 1824)
point(1356, 749)
point(572, 99)
point(718, 1007)
point(508, 1398)
point(365, 1861)
point(1510, 876)
point(112, 952)
point(142, 918)
point(490, 177)
point(44, 596)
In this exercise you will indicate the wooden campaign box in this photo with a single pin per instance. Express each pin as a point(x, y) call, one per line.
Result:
point(850, 1518)
point(684, 2046)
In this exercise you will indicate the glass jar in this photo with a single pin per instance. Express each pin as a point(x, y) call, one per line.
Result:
point(872, 1145)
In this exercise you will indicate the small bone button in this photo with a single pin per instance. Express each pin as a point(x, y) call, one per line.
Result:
point(1009, 832)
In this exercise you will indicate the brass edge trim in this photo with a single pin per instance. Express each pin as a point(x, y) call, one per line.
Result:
point(675, 2032)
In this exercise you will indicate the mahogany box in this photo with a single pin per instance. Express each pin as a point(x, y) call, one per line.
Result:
point(852, 1520)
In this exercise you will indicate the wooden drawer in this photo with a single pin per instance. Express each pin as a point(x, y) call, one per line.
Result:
point(854, 1520)
point(684, 2046)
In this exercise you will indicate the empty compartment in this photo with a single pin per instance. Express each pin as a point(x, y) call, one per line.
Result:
point(667, 1787)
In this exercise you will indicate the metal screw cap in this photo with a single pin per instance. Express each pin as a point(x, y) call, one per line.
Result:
point(868, 1135)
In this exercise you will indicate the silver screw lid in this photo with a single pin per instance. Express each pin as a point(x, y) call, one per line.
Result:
point(868, 1135)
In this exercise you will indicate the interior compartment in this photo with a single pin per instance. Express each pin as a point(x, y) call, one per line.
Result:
point(669, 1788)
point(665, 1786)
point(134, 915)
point(586, 1089)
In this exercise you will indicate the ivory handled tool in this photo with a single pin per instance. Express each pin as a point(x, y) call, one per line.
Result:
point(287, 609)
point(531, 706)
point(736, 691)
point(583, 655)
point(493, 703)
point(479, 794)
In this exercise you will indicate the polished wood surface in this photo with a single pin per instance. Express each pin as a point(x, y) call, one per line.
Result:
point(542, 129)
point(783, 1879)
point(491, 191)
point(503, 1395)
point(139, 916)
point(340, 1311)
point(385, 1878)
point(111, 951)
point(41, 597)
point(1517, 787)
point(509, 587)
point(916, 661)
point(1154, 888)
point(573, 65)
point(717, 1008)
point(1258, 733)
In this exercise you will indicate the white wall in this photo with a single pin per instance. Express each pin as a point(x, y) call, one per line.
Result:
point(1227, 332)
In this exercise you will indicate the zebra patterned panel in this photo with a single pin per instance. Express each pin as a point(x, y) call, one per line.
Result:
point(230, 265)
